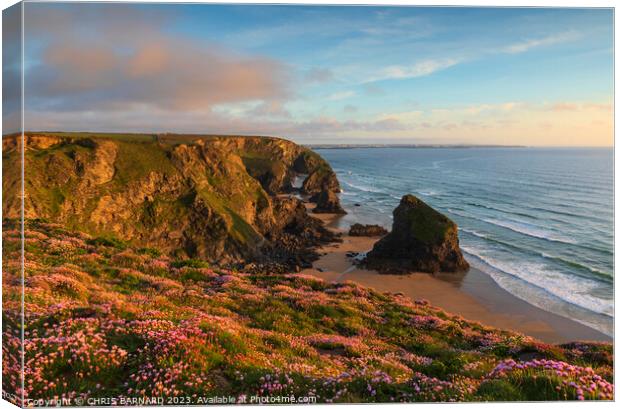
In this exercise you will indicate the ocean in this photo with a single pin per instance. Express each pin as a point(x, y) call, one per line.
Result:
point(538, 221)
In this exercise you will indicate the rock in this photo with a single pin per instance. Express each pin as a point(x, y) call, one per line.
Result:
point(357, 205)
point(274, 176)
point(368, 230)
point(307, 161)
point(421, 239)
point(327, 202)
point(101, 167)
point(320, 180)
point(41, 141)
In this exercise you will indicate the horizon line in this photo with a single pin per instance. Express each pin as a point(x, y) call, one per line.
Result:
point(320, 144)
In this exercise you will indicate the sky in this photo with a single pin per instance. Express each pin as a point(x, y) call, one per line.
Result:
point(509, 76)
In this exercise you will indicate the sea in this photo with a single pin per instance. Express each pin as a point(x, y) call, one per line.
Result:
point(538, 221)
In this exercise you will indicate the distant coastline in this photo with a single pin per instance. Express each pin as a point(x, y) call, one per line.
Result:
point(407, 146)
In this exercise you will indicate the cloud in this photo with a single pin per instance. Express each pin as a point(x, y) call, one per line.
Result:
point(244, 122)
point(419, 69)
point(493, 108)
point(432, 65)
point(524, 46)
point(406, 117)
point(574, 107)
point(337, 96)
point(138, 65)
point(270, 109)
point(519, 124)
point(564, 106)
point(11, 69)
point(329, 125)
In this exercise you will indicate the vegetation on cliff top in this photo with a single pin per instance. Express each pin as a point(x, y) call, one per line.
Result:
point(108, 319)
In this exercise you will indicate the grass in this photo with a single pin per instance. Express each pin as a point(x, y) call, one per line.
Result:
point(114, 320)
point(136, 160)
point(429, 225)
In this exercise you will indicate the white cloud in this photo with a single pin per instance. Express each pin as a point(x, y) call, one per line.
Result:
point(419, 69)
point(524, 46)
point(431, 65)
point(503, 107)
point(407, 116)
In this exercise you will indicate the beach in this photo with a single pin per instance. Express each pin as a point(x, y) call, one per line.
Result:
point(473, 295)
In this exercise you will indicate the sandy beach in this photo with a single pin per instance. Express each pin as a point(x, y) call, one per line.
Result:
point(473, 295)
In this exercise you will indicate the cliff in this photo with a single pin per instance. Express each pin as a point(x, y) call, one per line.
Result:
point(213, 197)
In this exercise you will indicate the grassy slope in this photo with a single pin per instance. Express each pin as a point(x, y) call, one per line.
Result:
point(112, 320)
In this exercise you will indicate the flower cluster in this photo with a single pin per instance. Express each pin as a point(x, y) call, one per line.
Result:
point(584, 382)
point(104, 319)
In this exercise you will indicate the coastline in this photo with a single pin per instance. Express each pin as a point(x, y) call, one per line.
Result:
point(473, 295)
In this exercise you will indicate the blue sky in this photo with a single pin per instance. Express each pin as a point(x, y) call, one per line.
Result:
point(324, 74)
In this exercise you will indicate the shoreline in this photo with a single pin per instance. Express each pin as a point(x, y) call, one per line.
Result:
point(473, 295)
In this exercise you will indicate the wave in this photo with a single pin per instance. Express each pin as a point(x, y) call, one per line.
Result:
point(475, 233)
point(363, 188)
point(496, 209)
point(529, 231)
point(574, 290)
point(435, 164)
point(586, 271)
point(428, 192)
point(586, 215)
point(570, 263)
point(532, 233)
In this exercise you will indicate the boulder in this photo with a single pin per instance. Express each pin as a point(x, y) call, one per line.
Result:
point(327, 202)
point(422, 239)
point(368, 230)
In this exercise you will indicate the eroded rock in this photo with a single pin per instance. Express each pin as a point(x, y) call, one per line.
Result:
point(422, 239)
point(327, 202)
point(368, 230)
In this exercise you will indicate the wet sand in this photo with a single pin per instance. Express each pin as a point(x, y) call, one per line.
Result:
point(472, 295)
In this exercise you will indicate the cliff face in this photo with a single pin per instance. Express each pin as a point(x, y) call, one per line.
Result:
point(210, 197)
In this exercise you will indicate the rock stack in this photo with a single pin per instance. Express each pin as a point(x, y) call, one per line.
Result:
point(421, 240)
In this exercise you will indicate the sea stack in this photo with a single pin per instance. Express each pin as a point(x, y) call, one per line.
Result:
point(422, 239)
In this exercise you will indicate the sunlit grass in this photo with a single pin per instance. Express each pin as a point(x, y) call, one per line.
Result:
point(106, 319)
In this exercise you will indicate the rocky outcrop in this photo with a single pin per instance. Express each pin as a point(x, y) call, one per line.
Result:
point(38, 141)
point(327, 202)
point(368, 230)
point(101, 168)
point(212, 197)
point(320, 180)
point(421, 239)
point(294, 234)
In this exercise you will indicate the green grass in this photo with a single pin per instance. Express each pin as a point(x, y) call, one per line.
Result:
point(212, 330)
